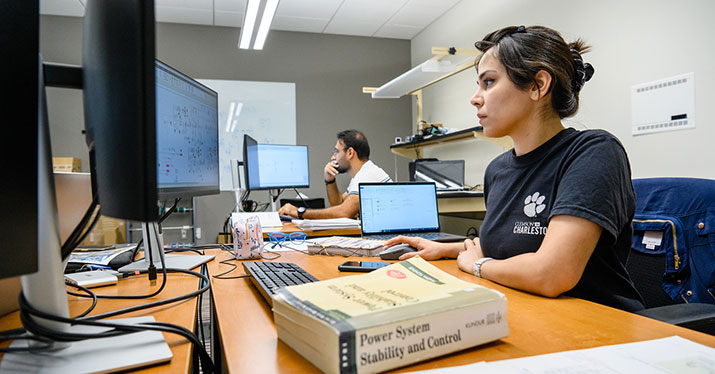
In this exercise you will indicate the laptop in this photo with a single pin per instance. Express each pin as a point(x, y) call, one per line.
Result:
point(401, 208)
point(447, 175)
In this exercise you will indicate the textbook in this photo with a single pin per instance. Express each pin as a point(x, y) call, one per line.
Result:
point(345, 246)
point(391, 317)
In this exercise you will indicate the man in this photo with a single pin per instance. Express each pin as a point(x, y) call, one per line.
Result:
point(351, 155)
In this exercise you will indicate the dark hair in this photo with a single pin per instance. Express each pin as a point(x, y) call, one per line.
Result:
point(356, 140)
point(524, 51)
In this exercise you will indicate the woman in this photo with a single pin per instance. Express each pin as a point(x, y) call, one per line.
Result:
point(560, 204)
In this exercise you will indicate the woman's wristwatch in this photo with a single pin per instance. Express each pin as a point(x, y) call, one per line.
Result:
point(478, 266)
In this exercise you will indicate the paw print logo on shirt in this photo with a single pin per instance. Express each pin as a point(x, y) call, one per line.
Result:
point(534, 204)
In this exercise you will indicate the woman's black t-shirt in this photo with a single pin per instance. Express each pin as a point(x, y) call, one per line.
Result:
point(579, 173)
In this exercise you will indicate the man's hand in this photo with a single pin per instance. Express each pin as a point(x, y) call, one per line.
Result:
point(288, 210)
point(331, 171)
point(470, 255)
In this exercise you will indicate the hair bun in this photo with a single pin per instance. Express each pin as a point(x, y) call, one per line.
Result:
point(584, 71)
point(589, 70)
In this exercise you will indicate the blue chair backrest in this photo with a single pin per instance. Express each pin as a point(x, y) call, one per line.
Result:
point(680, 213)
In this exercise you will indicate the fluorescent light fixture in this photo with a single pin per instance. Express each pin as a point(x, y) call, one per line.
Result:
point(268, 12)
point(255, 9)
point(249, 22)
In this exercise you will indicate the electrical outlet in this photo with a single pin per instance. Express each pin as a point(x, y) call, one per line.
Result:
point(198, 233)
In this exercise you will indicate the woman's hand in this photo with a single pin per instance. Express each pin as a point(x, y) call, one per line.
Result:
point(426, 249)
point(470, 255)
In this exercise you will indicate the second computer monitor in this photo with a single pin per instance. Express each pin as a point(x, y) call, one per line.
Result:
point(186, 135)
point(275, 166)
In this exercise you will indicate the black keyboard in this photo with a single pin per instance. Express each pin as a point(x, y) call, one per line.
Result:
point(268, 277)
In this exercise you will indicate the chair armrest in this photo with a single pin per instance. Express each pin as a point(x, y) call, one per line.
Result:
point(695, 316)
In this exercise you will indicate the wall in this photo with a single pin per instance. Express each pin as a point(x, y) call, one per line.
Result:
point(329, 72)
point(633, 42)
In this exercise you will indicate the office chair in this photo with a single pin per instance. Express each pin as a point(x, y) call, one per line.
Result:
point(672, 257)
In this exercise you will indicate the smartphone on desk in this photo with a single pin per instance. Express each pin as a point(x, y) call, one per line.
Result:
point(361, 266)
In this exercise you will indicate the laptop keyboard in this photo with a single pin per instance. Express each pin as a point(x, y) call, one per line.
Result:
point(426, 235)
point(268, 277)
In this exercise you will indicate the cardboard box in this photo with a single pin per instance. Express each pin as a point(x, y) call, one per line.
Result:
point(65, 164)
point(107, 231)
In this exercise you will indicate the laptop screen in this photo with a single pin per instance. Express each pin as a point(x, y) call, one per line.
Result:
point(398, 207)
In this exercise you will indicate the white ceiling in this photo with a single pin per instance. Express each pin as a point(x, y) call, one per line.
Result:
point(398, 19)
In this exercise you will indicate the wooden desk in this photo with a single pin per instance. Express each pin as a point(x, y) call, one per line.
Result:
point(537, 325)
point(181, 313)
point(462, 206)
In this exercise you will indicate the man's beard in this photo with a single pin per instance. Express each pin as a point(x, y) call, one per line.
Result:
point(342, 170)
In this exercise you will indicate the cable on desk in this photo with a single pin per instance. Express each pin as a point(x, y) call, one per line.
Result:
point(225, 262)
point(89, 292)
point(27, 311)
point(81, 230)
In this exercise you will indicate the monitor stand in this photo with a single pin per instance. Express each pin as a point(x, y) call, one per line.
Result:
point(273, 196)
point(153, 239)
point(46, 291)
point(119, 353)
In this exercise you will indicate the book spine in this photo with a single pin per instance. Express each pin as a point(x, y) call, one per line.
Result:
point(360, 252)
point(400, 343)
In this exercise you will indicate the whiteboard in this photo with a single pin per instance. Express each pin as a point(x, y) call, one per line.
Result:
point(263, 110)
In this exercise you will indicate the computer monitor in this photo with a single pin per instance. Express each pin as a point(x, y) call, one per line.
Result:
point(186, 135)
point(117, 76)
point(446, 174)
point(19, 230)
point(275, 166)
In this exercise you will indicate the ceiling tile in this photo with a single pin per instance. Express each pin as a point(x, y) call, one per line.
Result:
point(397, 31)
point(300, 24)
point(362, 17)
point(189, 4)
point(69, 8)
point(421, 13)
point(238, 6)
point(401, 19)
point(228, 19)
point(319, 9)
point(184, 15)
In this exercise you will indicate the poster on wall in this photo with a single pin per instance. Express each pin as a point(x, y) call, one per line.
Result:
point(263, 110)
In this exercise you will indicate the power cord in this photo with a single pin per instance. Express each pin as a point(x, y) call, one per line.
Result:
point(27, 312)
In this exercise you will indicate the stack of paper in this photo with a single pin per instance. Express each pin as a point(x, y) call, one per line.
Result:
point(345, 246)
point(674, 355)
point(267, 219)
point(327, 224)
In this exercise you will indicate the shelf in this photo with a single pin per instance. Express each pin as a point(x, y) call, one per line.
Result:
point(445, 63)
point(439, 67)
point(413, 150)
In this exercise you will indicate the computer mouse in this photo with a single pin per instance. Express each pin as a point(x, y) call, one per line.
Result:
point(394, 252)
